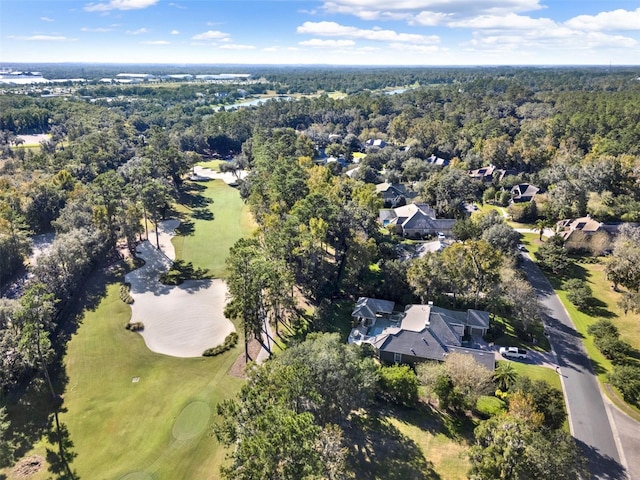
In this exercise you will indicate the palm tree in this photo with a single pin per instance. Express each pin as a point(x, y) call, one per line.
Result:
point(505, 375)
point(541, 225)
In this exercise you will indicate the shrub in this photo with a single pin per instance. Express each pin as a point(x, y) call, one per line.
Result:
point(229, 343)
point(398, 384)
point(626, 378)
point(578, 292)
point(602, 328)
point(135, 326)
point(613, 348)
point(125, 293)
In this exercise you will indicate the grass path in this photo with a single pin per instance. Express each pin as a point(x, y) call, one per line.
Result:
point(228, 220)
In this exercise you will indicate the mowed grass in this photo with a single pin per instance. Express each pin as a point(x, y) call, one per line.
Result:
point(535, 372)
point(205, 239)
point(212, 164)
point(157, 427)
point(121, 427)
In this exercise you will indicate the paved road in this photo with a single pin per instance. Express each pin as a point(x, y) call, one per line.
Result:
point(587, 412)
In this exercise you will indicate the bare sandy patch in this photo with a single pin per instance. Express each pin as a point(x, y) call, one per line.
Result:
point(201, 173)
point(183, 320)
point(34, 139)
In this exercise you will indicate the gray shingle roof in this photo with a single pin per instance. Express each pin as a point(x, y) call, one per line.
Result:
point(368, 307)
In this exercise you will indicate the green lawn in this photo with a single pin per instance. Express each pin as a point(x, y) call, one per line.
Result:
point(535, 372)
point(157, 427)
point(212, 164)
point(214, 217)
point(119, 427)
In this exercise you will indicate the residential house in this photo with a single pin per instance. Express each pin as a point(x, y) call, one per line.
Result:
point(486, 174)
point(437, 161)
point(523, 192)
point(586, 225)
point(490, 173)
point(416, 220)
point(419, 333)
point(394, 194)
point(378, 142)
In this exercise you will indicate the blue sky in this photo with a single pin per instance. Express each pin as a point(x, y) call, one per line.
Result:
point(346, 32)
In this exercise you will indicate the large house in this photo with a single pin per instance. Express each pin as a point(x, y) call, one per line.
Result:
point(416, 220)
point(421, 332)
point(523, 192)
point(586, 225)
point(394, 194)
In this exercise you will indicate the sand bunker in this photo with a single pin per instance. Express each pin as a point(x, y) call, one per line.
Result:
point(200, 173)
point(183, 320)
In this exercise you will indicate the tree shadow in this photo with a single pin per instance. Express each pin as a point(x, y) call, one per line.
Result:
point(193, 200)
point(202, 214)
point(454, 425)
point(602, 466)
point(377, 449)
point(186, 228)
point(60, 457)
point(598, 308)
point(30, 406)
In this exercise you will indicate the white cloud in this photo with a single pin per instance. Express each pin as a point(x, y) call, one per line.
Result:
point(155, 42)
point(236, 46)
point(97, 29)
point(174, 32)
point(414, 48)
point(47, 19)
point(140, 31)
point(316, 42)
point(333, 29)
point(210, 35)
point(119, 5)
point(613, 20)
point(44, 38)
point(399, 9)
point(429, 19)
point(270, 49)
point(177, 5)
point(510, 21)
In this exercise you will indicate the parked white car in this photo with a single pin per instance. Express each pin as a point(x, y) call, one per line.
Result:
point(513, 352)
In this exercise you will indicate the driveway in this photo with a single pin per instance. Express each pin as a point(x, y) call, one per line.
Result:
point(588, 418)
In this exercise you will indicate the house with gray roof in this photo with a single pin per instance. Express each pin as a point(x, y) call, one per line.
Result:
point(416, 220)
point(394, 193)
point(523, 192)
point(419, 333)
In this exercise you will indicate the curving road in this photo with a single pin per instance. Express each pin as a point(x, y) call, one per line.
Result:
point(588, 418)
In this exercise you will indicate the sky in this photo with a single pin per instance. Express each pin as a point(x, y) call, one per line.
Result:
point(340, 32)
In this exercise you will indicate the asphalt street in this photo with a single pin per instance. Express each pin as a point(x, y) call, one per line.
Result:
point(588, 418)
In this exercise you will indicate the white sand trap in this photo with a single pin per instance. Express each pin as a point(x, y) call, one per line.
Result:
point(208, 174)
point(183, 320)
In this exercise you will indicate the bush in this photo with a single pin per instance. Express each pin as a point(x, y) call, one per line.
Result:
point(607, 339)
point(398, 384)
point(613, 348)
point(626, 378)
point(135, 326)
point(125, 293)
point(578, 292)
point(496, 330)
point(229, 342)
point(602, 328)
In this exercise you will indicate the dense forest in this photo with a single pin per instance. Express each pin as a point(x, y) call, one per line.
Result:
point(118, 155)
